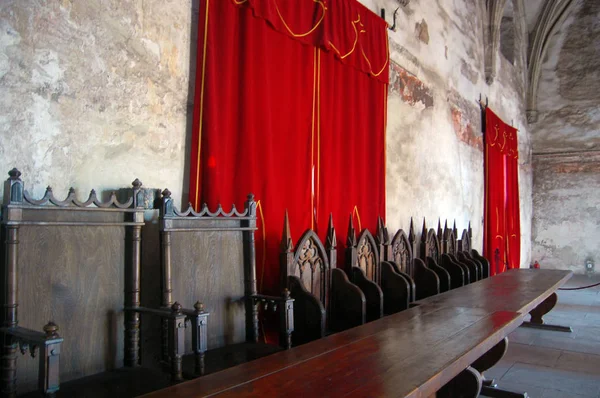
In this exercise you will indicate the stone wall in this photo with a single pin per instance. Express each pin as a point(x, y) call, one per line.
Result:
point(566, 210)
point(97, 93)
point(434, 139)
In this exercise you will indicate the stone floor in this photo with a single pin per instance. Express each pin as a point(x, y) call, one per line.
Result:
point(549, 364)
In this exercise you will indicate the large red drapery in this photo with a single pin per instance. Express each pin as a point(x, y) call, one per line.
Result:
point(502, 240)
point(290, 105)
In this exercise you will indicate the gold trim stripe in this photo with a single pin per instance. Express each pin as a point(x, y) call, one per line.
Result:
point(201, 104)
point(312, 29)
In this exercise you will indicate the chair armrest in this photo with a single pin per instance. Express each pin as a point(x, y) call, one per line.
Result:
point(49, 343)
point(396, 290)
point(372, 292)
point(175, 334)
point(283, 304)
point(348, 305)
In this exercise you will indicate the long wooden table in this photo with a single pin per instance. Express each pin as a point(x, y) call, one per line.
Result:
point(409, 354)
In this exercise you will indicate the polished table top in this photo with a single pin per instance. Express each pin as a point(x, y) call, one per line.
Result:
point(498, 292)
point(409, 354)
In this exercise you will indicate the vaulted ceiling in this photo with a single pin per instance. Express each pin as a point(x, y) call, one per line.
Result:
point(568, 92)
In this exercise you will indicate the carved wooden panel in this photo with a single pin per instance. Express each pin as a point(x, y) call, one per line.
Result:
point(311, 265)
point(366, 256)
point(401, 251)
point(465, 241)
point(451, 243)
point(432, 245)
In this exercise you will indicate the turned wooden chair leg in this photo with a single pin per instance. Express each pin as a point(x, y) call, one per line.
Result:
point(542, 309)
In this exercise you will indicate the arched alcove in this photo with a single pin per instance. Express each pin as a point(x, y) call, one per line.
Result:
point(507, 32)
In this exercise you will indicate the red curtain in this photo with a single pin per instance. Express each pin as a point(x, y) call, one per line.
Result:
point(289, 105)
point(352, 149)
point(502, 222)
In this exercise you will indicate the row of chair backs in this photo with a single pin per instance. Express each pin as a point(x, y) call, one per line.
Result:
point(324, 298)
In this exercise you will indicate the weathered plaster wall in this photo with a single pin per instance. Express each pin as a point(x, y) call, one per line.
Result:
point(94, 93)
point(566, 210)
point(569, 90)
point(434, 140)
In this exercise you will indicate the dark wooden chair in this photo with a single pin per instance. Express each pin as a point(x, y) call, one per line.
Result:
point(485, 264)
point(325, 300)
point(464, 256)
point(467, 248)
point(430, 254)
point(364, 269)
point(77, 264)
point(459, 274)
point(211, 255)
point(396, 256)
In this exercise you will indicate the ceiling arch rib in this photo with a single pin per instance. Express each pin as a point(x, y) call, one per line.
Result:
point(551, 17)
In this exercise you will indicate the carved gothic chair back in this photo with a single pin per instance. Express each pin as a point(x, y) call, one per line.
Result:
point(431, 255)
point(464, 255)
point(394, 281)
point(458, 273)
point(76, 263)
point(362, 264)
point(324, 299)
point(210, 256)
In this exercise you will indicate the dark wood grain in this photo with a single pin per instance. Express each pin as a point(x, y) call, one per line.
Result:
point(484, 262)
point(426, 281)
point(412, 353)
point(457, 275)
point(443, 275)
point(396, 289)
point(474, 272)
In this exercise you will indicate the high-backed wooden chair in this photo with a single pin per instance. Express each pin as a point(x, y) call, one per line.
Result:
point(396, 258)
point(470, 269)
point(458, 273)
point(77, 264)
point(325, 300)
point(362, 264)
point(211, 255)
point(430, 254)
point(483, 264)
point(427, 283)
point(464, 255)
point(483, 261)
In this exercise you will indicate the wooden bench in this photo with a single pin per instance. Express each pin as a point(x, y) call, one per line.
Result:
point(76, 263)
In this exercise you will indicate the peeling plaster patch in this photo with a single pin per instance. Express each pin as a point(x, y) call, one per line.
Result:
point(153, 47)
point(409, 87)
point(464, 129)
point(468, 71)
point(422, 31)
point(466, 120)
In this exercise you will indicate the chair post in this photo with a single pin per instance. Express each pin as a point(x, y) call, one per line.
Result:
point(13, 194)
point(250, 269)
point(166, 210)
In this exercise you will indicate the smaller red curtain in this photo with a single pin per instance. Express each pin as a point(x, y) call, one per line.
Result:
point(513, 223)
point(502, 220)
